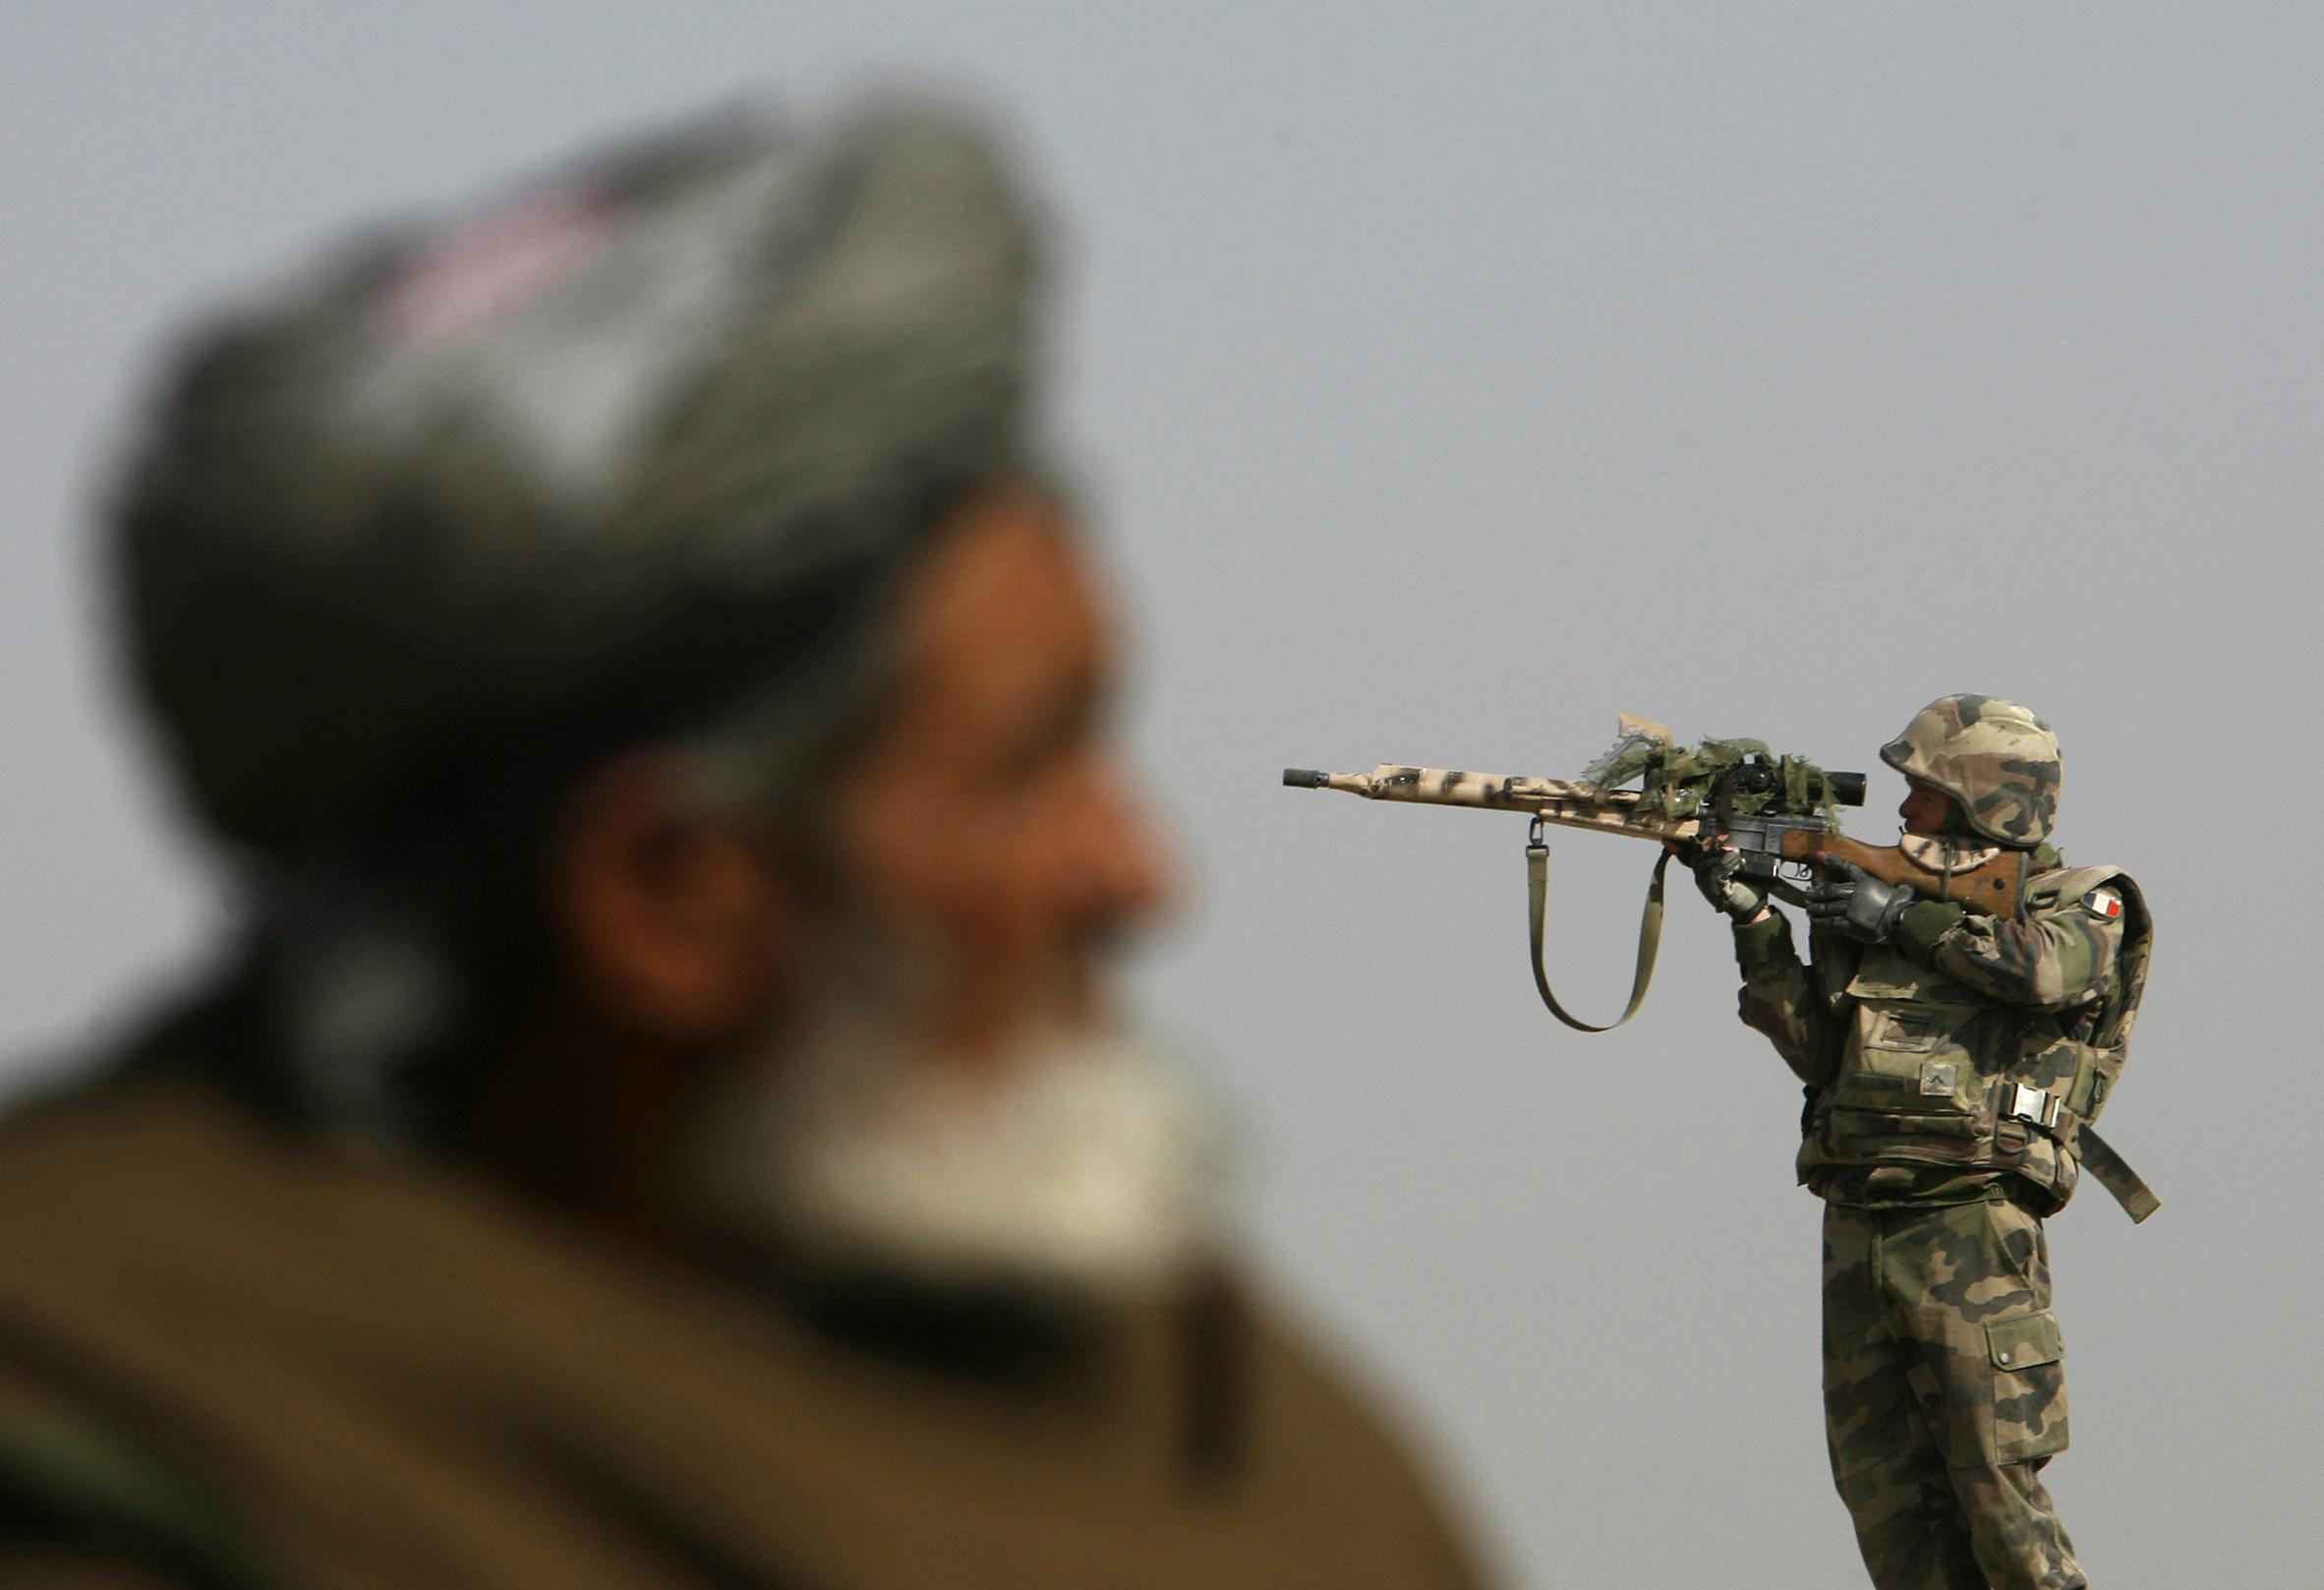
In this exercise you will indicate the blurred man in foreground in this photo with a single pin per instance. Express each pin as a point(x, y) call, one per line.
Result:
point(668, 1124)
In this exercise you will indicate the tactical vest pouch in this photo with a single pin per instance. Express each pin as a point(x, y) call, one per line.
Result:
point(2100, 1069)
point(1906, 1057)
point(1908, 1088)
point(1880, 1137)
point(2087, 1083)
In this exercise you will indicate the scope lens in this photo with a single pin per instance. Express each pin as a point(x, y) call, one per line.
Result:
point(1846, 788)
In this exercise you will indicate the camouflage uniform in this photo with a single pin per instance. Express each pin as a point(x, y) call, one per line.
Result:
point(1948, 1072)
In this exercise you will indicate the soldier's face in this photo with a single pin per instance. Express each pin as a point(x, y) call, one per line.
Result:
point(1926, 811)
point(986, 811)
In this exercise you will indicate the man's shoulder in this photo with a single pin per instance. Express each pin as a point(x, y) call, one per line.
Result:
point(72, 1160)
point(158, 1211)
point(2106, 891)
point(104, 1196)
point(121, 1159)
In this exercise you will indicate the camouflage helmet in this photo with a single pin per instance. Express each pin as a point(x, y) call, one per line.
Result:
point(640, 443)
point(1997, 760)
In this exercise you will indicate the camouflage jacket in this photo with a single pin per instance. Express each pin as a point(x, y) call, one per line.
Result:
point(1961, 1057)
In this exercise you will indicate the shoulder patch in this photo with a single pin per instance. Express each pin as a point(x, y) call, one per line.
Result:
point(2104, 904)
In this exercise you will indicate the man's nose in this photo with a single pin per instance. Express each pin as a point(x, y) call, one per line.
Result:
point(1126, 875)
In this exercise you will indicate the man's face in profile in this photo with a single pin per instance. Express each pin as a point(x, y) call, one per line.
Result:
point(932, 1072)
point(986, 812)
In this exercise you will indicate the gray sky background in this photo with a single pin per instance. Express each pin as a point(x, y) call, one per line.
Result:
point(1448, 378)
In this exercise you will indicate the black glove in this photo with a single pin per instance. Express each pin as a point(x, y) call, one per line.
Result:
point(1853, 901)
point(1714, 875)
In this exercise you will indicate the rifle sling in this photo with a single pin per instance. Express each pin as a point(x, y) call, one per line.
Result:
point(1650, 937)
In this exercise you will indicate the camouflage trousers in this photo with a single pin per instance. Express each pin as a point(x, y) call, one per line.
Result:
point(1945, 1394)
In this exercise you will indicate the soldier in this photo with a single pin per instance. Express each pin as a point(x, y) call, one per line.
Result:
point(1948, 1060)
point(665, 1123)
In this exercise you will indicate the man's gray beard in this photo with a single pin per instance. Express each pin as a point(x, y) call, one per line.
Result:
point(1080, 1157)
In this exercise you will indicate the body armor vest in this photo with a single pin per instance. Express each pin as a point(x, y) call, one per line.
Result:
point(1938, 1075)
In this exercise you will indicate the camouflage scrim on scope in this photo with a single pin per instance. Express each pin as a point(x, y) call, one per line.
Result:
point(1681, 782)
point(1995, 759)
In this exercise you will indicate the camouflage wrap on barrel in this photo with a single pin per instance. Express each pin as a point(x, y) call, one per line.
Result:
point(1573, 803)
point(1943, 1396)
point(1995, 758)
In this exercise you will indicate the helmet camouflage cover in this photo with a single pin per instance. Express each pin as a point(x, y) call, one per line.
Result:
point(1997, 760)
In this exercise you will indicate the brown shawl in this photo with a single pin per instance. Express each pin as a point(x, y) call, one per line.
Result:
point(390, 1375)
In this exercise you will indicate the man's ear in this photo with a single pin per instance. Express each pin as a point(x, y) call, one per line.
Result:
point(675, 925)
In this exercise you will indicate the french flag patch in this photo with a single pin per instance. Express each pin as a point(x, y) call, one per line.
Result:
point(2103, 904)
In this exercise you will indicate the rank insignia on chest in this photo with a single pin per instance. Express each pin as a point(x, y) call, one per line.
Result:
point(2103, 904)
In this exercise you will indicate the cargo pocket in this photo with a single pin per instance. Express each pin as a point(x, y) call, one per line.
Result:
point(2027, 1358)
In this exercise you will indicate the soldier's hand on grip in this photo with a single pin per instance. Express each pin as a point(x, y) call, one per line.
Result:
point(1714, 875)
point(1853, 901)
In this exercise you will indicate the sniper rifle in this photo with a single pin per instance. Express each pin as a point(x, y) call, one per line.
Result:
point(1782, 813)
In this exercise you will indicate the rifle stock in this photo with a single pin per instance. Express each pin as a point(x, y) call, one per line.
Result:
point(1990, 888)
